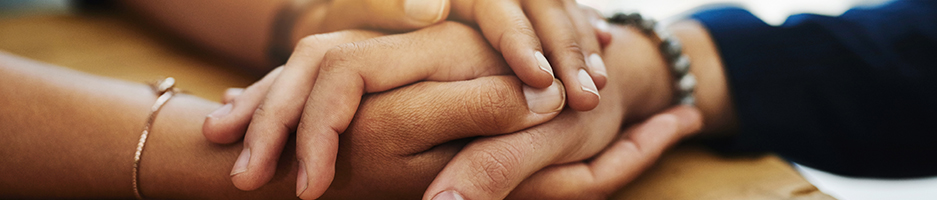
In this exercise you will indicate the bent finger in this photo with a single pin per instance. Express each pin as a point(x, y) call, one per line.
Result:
point(279, 114)
point(589, 43)
point(444, 111)
point(489, 168)
point(506, 27)
point(350, 70)
point(229, 123)
point(620, 163)
point(562, 45)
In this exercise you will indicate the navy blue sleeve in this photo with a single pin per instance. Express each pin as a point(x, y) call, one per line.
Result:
point(854, 94)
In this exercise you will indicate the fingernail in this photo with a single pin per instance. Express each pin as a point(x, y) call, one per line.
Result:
point(546, 100)
point(301, 179)
point(598, 65)
point(233, 91)
point(448, 195)
point(602, 25)
point(241, 164)
point(425, 10)
point(221, 112)
point(543, 63)
point(586, 83)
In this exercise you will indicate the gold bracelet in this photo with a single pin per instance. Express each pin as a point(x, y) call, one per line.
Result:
point(165, 89)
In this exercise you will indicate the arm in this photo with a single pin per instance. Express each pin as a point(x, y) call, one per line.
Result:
point(241, 29)
point(86, 152)
point(105, 118)
point(71, 135)
point(819, 89)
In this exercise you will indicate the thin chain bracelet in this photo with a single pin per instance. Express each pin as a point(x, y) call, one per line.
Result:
point(672, 51)
point(165, 89)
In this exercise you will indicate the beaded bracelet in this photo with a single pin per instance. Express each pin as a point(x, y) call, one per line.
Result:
point(165, 89)
point(672, 51)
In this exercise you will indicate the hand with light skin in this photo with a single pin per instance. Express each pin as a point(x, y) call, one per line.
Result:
point(85, 154)
point(638, 58)
point(333, 88)
point(396, 147)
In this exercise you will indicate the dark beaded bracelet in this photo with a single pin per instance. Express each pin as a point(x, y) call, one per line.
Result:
point(672, 51)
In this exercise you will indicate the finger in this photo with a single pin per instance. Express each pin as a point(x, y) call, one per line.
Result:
point(228, 123)
point(490, 167)
point(507, 28)
point(589, 43)
point(395, 15)
point(600, 26)
point(350, 70)
point(562, 46)
point(230, 94)
point(620, 163)
point(645, 144)
point(447, 111)
point(279, 114)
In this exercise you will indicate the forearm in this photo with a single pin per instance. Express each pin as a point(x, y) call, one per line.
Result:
point(72, 135)
point(712, 91)
point(235, 29)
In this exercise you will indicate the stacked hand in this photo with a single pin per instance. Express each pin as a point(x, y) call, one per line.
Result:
point(422, 125)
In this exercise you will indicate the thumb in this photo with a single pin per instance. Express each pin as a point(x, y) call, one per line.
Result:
point(394, 15)
point(427, 114)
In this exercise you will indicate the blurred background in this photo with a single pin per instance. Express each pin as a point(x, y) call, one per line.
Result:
point(772, 12)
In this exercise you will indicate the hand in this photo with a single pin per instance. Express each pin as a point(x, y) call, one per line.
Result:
point(278, 98)
point(387, 153)
point(337, 90)
point(532, 34)
point(491, 167)
point(557, 31)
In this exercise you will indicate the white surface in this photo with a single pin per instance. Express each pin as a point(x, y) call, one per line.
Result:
point(848, 188)
point(772, 12)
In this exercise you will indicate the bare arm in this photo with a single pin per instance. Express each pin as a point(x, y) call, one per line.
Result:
point(68, 134)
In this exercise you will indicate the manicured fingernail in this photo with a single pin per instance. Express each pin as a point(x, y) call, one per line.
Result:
point(598, 65)
point(221, 112)
point(448, 195)
point(543, 63)
point(546, 100)
point(586, 83)
point(425, 10)
point(241, 164)
point(301, 179)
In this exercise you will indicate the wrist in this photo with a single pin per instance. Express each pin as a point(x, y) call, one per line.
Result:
point(641, 71)
point(712, 93)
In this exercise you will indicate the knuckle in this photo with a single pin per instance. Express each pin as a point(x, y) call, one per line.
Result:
point(268, 115)
point(338, 57)
point(493, 111)
point(496, 168)
point(571, 47)
point(310, 41)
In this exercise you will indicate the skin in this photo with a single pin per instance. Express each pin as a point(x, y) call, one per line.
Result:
point(642, 49)
point(526, 32)
point(86, 157)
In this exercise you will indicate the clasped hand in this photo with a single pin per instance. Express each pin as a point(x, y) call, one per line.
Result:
point(468, 127)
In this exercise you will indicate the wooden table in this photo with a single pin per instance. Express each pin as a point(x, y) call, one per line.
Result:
point(126, 49)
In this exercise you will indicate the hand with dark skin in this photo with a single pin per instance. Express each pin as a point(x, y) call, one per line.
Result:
point(87, 153)
point(643, 107)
